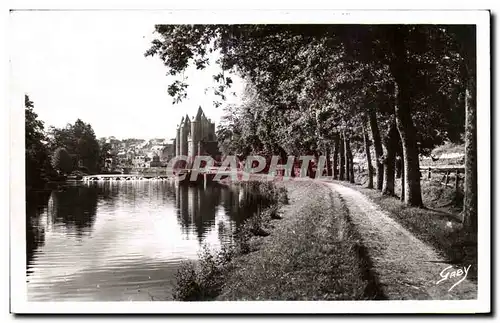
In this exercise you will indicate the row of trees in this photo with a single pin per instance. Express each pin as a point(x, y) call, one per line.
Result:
point(320, 89)
point(58, 150)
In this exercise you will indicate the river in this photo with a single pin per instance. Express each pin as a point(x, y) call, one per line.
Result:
point(125, 240)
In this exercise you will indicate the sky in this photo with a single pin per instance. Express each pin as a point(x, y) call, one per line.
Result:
point(91, 65)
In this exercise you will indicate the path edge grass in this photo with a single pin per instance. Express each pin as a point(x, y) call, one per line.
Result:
point(441, 230)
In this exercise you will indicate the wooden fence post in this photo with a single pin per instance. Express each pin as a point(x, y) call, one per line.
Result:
point(457, 179)
point(429, 173)
point(447, 178)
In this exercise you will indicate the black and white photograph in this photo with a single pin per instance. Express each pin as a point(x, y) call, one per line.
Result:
point(200, 161)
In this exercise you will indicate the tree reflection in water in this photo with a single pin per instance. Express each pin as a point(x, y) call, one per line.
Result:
point(36, 204)
point(200, 210)
point(75, 207)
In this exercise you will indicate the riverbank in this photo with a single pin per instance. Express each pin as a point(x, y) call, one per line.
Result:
point(312, 253)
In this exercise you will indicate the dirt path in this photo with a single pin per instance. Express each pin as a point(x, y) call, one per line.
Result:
point(309, 254)
point(406, 267)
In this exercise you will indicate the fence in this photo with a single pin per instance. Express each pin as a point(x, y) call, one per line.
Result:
point(444, 172)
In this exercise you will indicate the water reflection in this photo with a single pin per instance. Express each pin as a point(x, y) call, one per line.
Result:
point(124, 240)
point(75, 208)
point(36, 204)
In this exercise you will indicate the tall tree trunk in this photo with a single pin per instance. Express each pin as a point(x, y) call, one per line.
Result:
point(466, 36)
point(377, 144)
point(390, 142)
point(328, 161)
point(399, 164)
point(470, 185)
point(413, 193)
point(349, 164)
point(310, 167)
point(342, 158)
point(368, 157)
point(406, 128)
point(346, 157)
point(336, 151)
point(402, 195)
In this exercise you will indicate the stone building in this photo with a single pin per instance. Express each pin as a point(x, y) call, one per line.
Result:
point(155, 160)
point(165, 151)
point(196, 136)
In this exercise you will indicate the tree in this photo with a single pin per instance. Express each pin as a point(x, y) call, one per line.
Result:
point(80, 142)
point(466, 39)
point(366, 141)
point(104, 153)
point(36, 153)
point(62, 161)
point(391, 143)
point(336, 152)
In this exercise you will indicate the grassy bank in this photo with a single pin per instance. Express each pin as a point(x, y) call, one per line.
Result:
point(442, 230)
point(302, 250)
point(204, 279)
point(312, 253)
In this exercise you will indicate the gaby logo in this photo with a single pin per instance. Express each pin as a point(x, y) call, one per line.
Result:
point(450, 273)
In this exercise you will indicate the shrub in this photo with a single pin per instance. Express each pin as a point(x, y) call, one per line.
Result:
point(256, 224)
point(282, 195)
point(273, 212)
point(242, 240)
point(203, 280)
point(187, 287)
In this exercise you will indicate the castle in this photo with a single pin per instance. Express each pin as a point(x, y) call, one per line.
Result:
point(196, 136)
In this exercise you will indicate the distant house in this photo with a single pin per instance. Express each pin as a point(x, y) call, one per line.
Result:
point(157, 149)
point(108, 163)
point(121, 156)
point(139, 161)
point(155, 161)
point(165, 152)
point(130, 154)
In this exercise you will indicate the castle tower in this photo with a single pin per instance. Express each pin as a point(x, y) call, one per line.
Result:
point(181, 136)
point(185, 129)
point(177, 141)
point(195, 138)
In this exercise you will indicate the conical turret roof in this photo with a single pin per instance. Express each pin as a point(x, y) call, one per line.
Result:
point(199, 114)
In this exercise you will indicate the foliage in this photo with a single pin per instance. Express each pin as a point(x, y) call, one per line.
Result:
point(104, 153)
point(308, 80)
point(79, 141)
point(204, 279)
point(36, 153)
point(62, 161)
